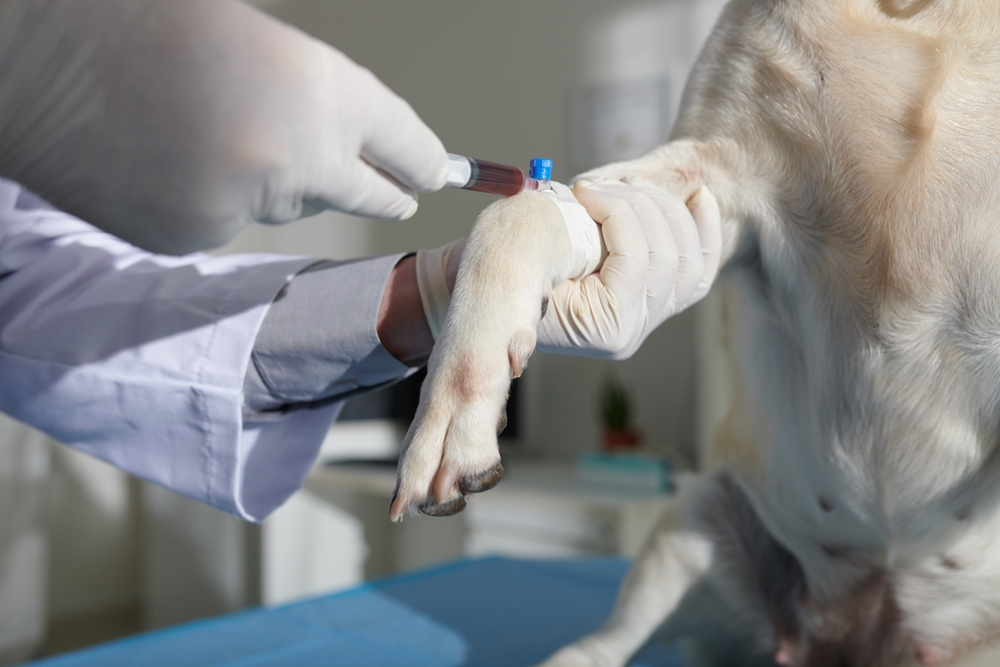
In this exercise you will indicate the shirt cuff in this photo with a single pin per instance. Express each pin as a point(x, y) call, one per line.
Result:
point(319, 338)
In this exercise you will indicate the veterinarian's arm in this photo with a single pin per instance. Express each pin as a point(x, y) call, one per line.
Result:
point(141, 359)
point(340, 328)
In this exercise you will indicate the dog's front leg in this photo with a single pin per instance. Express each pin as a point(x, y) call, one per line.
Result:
point(675, 557)
point(517, 252)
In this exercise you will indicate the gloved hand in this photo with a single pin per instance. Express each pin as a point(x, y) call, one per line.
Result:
point(663, 256)
point(174, 124)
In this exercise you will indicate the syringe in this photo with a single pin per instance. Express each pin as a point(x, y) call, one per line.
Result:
point(496, 179)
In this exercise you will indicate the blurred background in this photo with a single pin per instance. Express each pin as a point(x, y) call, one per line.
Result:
point(89, 554)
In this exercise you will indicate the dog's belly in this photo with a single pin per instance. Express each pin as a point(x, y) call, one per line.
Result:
point(846, 514)
point(835, 531)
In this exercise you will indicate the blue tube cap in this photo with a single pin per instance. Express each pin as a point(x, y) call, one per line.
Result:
point(541, 168)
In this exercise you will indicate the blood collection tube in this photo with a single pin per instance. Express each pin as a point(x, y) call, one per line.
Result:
point(496, 179)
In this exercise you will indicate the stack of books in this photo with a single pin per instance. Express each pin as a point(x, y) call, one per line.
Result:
point(640, 472)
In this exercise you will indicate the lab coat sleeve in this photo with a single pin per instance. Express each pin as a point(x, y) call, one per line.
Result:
point(140, 359)
point(307, 350)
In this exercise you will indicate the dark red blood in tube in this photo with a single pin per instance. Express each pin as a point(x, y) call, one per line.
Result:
point(495, 179)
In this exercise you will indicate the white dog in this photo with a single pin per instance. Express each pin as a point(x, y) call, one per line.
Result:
point(852, 515)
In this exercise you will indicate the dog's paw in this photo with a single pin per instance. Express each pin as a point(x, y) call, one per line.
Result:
point(451, 450)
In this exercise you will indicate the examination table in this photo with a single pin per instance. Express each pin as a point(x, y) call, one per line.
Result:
point(492, 612)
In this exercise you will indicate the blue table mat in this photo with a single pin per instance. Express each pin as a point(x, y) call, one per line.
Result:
point(492, 612)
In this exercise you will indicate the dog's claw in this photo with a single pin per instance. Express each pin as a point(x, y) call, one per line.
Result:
point(447, 508)
point(484, 481)
point(451, 504)
point(397, 509)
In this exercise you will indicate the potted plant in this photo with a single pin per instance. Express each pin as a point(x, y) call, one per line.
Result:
point(615, 415)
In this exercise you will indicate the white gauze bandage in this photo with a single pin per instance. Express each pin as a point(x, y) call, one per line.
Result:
point(584, 233)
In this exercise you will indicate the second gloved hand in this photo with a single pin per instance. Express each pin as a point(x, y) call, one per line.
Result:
point(174, 124)
point(663, 256)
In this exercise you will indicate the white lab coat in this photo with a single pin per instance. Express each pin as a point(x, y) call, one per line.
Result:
point(139, 359)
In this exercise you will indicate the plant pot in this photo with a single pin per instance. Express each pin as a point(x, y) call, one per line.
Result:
point(618, 439)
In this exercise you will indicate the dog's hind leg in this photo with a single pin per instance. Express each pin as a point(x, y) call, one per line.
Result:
point(675, 558)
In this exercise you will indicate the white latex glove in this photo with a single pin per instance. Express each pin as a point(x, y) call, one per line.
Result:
point(662, 257)
point(174, 124)
point(436, 273)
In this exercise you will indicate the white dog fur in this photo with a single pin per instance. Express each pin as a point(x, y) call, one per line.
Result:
point(851, 517)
